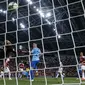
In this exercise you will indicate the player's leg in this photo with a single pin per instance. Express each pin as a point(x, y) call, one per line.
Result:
point(31, 75)
point(32, 71)
point(6, 70)
point(61, 72)
point(57, 75)
point(83, 72)
point(2, 74)
point(35, 66)
point(20, 73)
point(10, 76)
point(9, 73)
point(62, 76)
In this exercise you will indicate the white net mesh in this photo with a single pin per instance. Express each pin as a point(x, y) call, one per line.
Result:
point(58, 29)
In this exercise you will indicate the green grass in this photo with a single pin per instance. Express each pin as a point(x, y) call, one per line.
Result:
point(40, 81)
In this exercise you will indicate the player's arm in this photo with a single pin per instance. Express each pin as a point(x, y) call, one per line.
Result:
point(82, 62)
point(19, 65)
point(4, 63)
point(31, 52)
point(40, 52)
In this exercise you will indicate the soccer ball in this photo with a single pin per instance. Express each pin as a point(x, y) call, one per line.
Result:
point(12, 5)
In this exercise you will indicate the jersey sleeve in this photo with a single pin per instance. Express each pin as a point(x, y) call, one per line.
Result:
point(39, 51)
point(81, 59)
point(32, 51)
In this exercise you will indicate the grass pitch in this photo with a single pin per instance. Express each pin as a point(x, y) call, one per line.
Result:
point(41, 81)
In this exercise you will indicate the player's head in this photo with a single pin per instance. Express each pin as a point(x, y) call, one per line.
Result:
point(81, 53)
point(34, 45)
point(8, 42)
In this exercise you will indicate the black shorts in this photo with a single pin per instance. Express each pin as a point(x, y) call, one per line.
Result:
point(9, 51)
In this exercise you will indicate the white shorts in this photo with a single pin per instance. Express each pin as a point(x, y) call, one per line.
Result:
point(60, 70)
point(6, 69)
point(83, 67)
point(21, 69)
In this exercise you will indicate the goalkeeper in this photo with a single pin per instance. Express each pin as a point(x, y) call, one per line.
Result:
point(35, 60)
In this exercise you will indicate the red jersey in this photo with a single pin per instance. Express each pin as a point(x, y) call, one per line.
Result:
point(21, 65)
point(82, 59)
point(7, 62)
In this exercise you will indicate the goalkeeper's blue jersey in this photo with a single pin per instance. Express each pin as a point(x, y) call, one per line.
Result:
point(35, 53)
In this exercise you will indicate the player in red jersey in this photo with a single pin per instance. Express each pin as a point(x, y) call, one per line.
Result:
point(21, 69)
point(9, 51)
point(82, 61)
point(6, 67)
point(21, 66)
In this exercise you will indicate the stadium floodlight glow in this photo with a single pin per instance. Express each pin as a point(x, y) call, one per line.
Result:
point(48, 22)
point(42, 15)
point(34, 6)
point(48, 14)
point(13, 19)
point(54, 29)
point(1, 10)
point(59, 36)
point(4, 12)
point(29, 1)
point(37, 10)
point(40, 12)
point(22, 25)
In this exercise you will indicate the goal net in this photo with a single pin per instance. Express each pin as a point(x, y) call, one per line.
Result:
point(41, 42)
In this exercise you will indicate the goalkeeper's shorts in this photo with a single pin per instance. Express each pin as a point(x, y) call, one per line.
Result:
point(83, 67)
